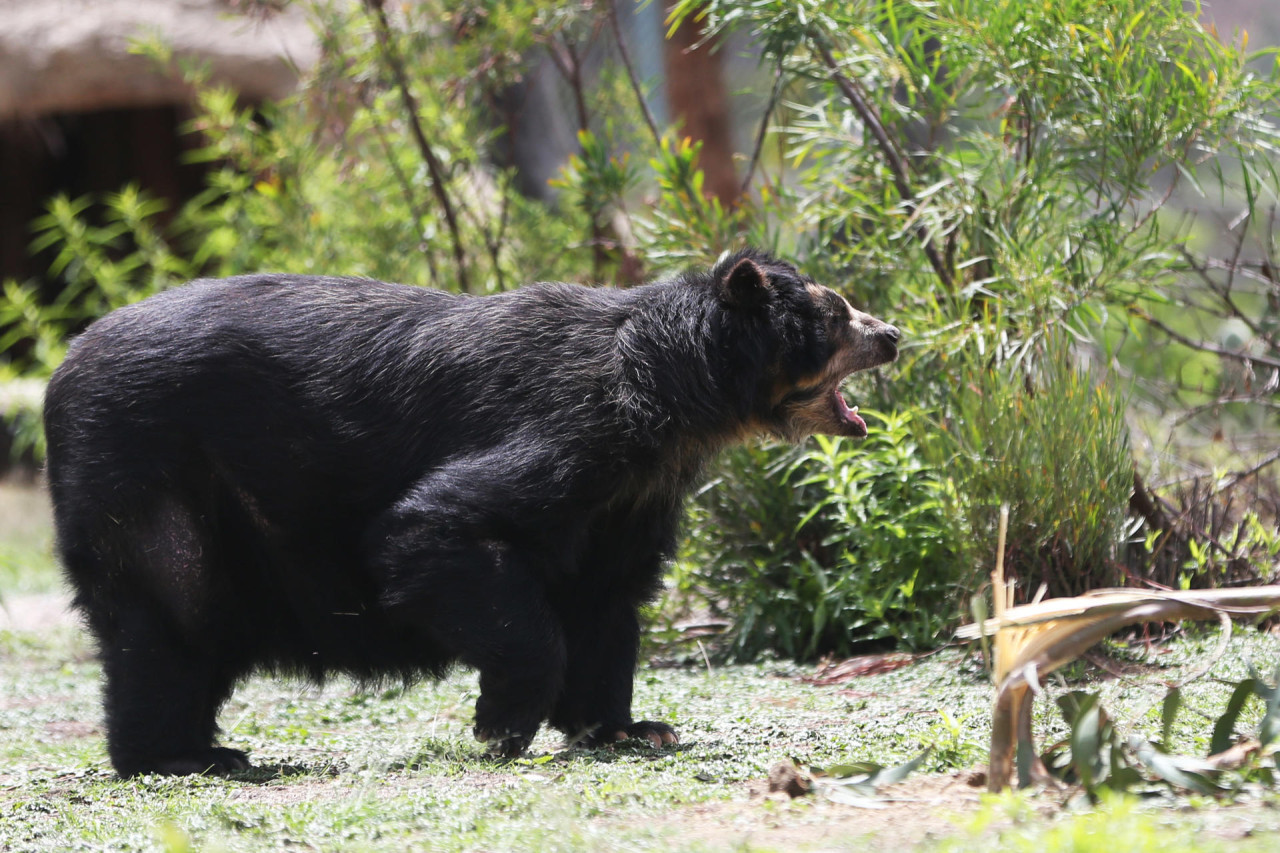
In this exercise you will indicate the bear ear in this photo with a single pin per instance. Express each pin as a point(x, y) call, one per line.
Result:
point(746, 285)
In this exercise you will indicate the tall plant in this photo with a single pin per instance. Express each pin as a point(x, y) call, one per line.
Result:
point(992, 175)
point(1048, 438)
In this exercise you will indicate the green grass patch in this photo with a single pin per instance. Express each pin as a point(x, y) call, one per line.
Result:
point(27, 563)
point(347, 768)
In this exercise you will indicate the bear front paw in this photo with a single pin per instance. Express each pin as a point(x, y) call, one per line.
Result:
point(658, 734)
point(505, 745)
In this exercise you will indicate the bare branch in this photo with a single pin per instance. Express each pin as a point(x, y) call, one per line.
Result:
point(1260, 398)
point(1205, 346)
point(565, 57)
point(897, 165)
point(625, 56)
point(764, 128)
point(434, 168)
point(406, 189)
point(1270, 459)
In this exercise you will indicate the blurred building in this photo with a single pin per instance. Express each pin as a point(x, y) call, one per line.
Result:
point(80, 112)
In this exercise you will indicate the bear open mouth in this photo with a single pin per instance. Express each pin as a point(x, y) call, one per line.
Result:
point(848, 416)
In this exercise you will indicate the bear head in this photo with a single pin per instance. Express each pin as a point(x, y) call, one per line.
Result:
point(810, 339)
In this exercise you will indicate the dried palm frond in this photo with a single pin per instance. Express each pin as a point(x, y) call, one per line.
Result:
point(1033, 640)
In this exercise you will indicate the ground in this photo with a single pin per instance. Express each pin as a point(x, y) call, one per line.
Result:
point(347, 767)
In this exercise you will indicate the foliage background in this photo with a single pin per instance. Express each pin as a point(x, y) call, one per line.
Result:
point(1068, 207)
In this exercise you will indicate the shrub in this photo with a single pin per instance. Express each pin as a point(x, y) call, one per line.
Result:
point(1049, 439)
point(824, 548)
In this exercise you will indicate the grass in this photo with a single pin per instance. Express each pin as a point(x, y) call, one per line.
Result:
point(27, 564)
point(396, 769)
point(346, 768)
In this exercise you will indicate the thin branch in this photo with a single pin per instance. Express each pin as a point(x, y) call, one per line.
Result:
point(566, 60)
point(897, 165)
point(1205, 346)
point(1223, 290)
point(497, 238)
point(764, 128)
point(625, 56)
point(1257, 399)
point(634, 79)
point(1244, 272)
point(567, 63)
point(434, 167)
point(410, 198)
point(1230, 482)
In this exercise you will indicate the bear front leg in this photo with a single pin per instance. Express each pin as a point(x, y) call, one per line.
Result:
point(477, 602)
point(594, 708)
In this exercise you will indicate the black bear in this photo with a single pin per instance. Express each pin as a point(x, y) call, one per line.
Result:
point(317, 475)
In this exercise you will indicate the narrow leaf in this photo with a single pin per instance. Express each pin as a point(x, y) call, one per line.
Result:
point(1168, 713)
point(1225, 727)
point(892, 775)
point(1174, 769)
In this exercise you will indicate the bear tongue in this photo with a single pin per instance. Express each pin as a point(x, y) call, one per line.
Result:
point(849, 415)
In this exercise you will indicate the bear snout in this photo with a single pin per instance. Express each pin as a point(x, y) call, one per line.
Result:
point(888, 337)
point(881, 342)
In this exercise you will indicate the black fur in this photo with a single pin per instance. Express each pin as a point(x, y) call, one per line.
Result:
point(317, 475)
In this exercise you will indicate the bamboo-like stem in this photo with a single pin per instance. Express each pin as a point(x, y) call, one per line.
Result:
point(1033, 640)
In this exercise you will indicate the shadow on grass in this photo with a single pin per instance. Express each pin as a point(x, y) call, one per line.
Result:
point(262, 774)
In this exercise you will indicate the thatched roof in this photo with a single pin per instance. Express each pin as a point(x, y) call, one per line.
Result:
point(73, 55)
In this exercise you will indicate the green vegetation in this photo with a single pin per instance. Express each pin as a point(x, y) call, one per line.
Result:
point(1068, 208)
point(1033, 194)
point(820, 548)
point(1051, 442)
point(350, 768)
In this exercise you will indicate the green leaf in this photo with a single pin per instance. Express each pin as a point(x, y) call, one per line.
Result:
point(1224, 727)
point(1269, 728)
point(1168, 713)
point(1188, 773)
point(892, 775)
point(1086, 744)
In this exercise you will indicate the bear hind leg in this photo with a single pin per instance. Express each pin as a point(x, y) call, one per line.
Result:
point(483, 606)
point(147, 585)
point(162, 699)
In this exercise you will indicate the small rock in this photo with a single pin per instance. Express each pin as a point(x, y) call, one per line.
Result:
point(786, 776)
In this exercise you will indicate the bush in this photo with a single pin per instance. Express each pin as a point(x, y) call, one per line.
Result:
point(952, 166)
point(825, 548)
point(1048, 439)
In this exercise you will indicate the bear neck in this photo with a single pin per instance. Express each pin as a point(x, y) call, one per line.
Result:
point(689, 372)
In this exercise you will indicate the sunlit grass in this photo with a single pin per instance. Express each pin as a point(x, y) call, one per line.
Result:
point(27, 563)
point(396, 769)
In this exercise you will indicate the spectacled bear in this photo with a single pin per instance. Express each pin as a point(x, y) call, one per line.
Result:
point(317, 475)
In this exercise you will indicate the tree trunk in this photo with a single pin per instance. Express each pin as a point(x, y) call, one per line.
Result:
point(699, 100)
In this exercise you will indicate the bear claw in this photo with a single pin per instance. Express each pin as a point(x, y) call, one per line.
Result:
point(508, 745)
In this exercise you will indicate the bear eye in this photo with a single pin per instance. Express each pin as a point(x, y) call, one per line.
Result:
point(839, 309)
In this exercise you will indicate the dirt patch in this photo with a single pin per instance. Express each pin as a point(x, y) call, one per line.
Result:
point(905, 815)
point(70, 729)
point(26, 516)
point(36, 612)
point(287, 792)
